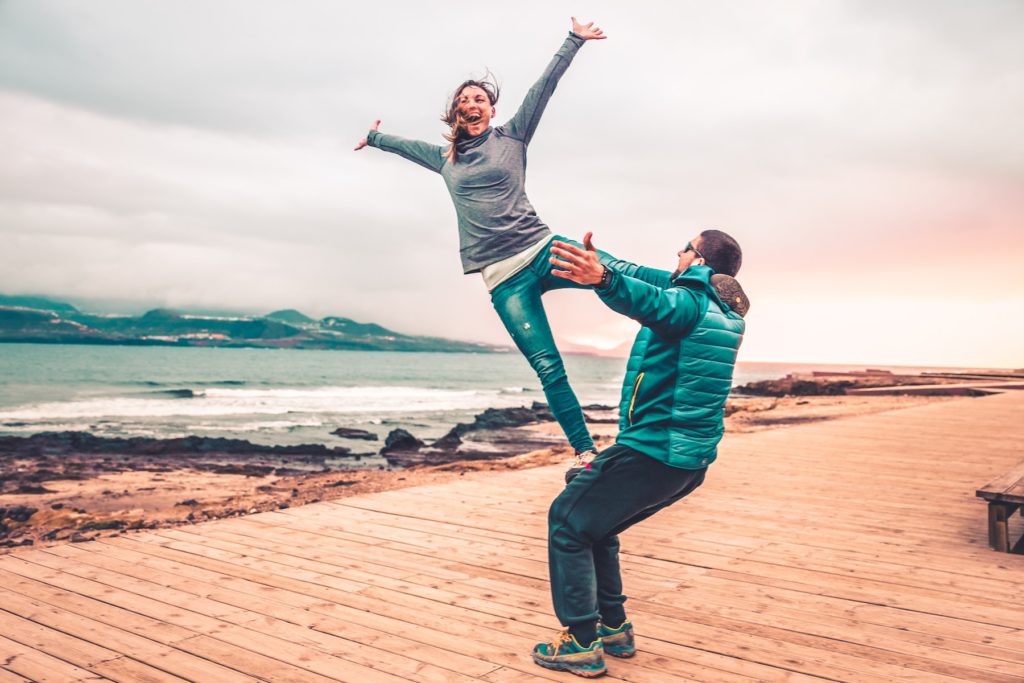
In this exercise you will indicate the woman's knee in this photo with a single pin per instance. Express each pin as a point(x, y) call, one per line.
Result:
point(548, 365)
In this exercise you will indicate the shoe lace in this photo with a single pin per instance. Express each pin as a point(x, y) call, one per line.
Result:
point(561, 638)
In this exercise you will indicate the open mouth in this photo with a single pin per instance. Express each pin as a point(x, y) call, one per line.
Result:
point(472, 117)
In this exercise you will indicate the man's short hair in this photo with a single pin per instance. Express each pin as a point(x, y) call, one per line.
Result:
point(721, 252)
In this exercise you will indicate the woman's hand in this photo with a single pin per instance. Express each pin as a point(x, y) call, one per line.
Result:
point(587, 31)
point(579, 265)
point(365, 141)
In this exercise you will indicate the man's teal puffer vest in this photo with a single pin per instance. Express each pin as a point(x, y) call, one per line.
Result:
point(674, 392)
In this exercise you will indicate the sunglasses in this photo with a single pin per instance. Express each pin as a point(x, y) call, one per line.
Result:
point(690, 247)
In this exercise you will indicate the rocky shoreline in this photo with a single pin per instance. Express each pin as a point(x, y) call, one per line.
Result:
point(885, 381)
point(39, 473)
point(75, 486)
point(494, 433)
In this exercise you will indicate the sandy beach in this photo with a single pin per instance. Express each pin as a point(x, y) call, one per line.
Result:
point(107, 497)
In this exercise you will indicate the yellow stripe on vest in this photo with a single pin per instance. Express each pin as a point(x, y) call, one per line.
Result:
point(632, 401)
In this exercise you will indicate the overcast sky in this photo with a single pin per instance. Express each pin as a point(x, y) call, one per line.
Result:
point(869, 157)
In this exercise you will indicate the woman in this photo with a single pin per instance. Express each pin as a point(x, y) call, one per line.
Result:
point(500, 235)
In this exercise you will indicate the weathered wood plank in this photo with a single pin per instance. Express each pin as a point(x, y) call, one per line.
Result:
point(28, 663)
point(1004, 483)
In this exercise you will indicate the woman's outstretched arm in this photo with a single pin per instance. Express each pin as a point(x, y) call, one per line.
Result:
point(423, 153)
point(524, 123)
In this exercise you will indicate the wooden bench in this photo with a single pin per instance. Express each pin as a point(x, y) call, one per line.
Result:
point(1005, 495)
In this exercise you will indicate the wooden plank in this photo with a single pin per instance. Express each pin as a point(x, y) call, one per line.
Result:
point(998, 534)
point(28, 663)
point(1004, 483)
point(502, 643)
point(191, 654)
point(1015, 492)
point(322, 653)
point(11, 677)
point(80, 653)
point(942, 581)
point(105, 559)
point(225, 631)
point(909, 592)
point(523, 649)
point(129, 644)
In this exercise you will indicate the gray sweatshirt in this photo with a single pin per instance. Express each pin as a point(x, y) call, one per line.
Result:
point(487, 182)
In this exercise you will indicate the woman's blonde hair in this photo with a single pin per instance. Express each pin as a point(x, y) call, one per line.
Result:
point(458, 125)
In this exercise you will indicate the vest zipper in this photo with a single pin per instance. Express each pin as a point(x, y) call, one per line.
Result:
point(632, 401)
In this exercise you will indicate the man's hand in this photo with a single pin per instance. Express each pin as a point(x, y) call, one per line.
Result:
point(579, 265)
point(365, 141)
point(587, 31)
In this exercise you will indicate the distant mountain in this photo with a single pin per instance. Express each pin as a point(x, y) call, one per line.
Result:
point(290, 316)
point(33, 319)
point(36, 302)
point(620, 351)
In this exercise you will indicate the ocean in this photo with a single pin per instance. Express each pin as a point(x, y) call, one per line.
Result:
point(281, 396)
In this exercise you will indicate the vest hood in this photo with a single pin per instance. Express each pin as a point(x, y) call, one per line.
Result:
point(699, 277)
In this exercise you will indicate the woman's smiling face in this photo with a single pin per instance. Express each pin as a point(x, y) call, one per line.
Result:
point(475, 108)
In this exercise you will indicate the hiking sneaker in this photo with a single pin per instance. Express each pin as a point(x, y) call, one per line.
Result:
point(731, 293)
point(566, 654)
point(618, 642)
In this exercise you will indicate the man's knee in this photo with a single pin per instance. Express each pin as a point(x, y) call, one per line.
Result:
point(566, 539)
point(567, 531)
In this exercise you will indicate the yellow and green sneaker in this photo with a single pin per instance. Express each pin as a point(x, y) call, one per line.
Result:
point(618, 642)
point(566, 654)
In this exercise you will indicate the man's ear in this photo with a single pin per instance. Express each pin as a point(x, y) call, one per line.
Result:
point(494, 112)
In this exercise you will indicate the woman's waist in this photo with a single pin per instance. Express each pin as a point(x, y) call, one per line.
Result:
point(480, 247)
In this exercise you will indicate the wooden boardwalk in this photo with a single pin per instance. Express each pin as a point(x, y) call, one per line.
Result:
point(850, 550)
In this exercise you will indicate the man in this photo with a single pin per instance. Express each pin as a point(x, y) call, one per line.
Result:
point(671, 420)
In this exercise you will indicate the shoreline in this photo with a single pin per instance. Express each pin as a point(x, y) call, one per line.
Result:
point(48, 496)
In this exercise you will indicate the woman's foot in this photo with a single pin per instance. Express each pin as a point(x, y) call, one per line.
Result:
point(580, 463)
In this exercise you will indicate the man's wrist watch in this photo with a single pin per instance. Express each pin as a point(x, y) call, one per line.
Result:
point(606, 278)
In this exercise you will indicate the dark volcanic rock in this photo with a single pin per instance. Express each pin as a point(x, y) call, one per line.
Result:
point(496, 418)
point(59, 443)
point(348, 433)
point(247, 470)
point(401, 440)
point(493, 434)
point(33, 489)
point(43, 474)
point(104, 525)
point(18, 513)
point(450, 441)
point(795, 386)
point(288, 472)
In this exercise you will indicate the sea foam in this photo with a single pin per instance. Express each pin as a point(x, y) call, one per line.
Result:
point(226, 402)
